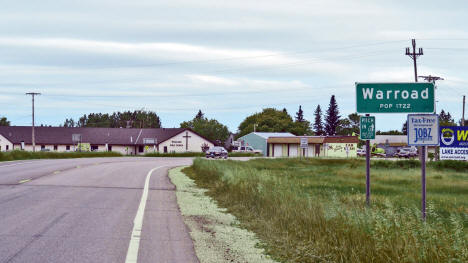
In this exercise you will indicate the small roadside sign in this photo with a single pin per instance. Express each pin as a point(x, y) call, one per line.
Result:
point(304, 143)
point(423, 130)
point(367, 127)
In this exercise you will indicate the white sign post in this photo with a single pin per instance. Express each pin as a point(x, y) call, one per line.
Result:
point(423, 130)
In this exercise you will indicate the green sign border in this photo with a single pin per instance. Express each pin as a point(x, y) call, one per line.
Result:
point(396, 83)
point(360, 128)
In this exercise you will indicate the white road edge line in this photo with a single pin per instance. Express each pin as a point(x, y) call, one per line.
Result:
point(134, 246)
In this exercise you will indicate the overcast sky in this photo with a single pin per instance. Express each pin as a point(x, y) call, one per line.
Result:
point(228, 58)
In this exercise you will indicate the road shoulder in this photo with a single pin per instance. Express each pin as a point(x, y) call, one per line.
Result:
point(216, 235)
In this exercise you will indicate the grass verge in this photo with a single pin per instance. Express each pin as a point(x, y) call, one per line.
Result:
point(24, 155)
point(312, 210)
point(217, 238)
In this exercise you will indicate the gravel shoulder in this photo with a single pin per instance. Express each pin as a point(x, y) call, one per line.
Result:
point(216, 234)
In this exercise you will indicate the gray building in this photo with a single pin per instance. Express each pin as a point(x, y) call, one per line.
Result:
point(258, 140)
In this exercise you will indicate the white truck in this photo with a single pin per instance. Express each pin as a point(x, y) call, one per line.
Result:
point(245, 149)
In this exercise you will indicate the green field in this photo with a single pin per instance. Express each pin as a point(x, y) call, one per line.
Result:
point(313, 210)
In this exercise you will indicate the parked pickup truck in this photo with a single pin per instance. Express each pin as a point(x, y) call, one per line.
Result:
point(245, 149)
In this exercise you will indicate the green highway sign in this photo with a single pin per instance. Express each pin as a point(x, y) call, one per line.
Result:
point(367, 127)
point(413, 97)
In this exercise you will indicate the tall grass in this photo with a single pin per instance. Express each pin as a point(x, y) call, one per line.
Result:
point(24, 155)
point(313, 210)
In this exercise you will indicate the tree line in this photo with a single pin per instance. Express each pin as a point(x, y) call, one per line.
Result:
point(268, 120)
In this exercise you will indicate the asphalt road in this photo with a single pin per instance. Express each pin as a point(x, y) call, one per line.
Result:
point(84, 210)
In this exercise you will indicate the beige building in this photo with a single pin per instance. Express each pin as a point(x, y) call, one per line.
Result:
point(125, 141)
point(318, 146)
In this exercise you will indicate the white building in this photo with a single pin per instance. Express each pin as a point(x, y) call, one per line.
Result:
point(125, 141)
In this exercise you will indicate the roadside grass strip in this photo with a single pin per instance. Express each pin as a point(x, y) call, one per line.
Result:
point(216, 234)
point(313, 210)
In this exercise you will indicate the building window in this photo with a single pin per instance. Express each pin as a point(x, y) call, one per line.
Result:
point(109, 148)
point(94, 148)
point(68, 148)
point(165, 149)
point(7, 147)
point(42, 147)
point(140, 148)
point(55, 147)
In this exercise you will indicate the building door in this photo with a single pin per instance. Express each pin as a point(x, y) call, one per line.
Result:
point(165, 149)
point(278, 150)
point(317, 150)
point(293, 150)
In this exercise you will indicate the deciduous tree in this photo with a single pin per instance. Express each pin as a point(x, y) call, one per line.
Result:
point(4, 121)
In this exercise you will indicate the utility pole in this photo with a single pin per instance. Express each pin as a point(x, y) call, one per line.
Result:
point(33, 138)
point(432, 79)
point(463, 112)
point(414, 56)
point(422, 155)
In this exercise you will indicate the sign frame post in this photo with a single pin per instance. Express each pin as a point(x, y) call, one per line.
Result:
point(367, 133)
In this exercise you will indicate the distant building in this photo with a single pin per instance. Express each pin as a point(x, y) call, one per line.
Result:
point(318, 146)
point(390, 143)
point(122, 140)
point(258, 140)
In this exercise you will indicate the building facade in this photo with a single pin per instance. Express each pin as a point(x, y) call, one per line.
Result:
point(317, 146)
point(258, 140)
point(125, 141)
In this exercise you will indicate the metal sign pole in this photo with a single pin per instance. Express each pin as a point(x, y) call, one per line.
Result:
point(368, 171)
point(423, 182)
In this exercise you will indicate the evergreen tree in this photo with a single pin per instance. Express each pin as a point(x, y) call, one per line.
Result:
point(404, 129)
point(332, 118)
point(318, 124)
point(200, 115)
point(300, 115)
point(445, 119)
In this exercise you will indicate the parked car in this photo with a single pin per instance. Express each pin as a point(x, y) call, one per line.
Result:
point(407, 152)
point(246, 149)
point(217, 152)
point(361, 152)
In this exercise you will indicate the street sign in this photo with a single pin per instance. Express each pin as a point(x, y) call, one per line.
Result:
point(453, 143)
point(367, 127)
point(304, 143)
point(423, 129)
point(395, 97)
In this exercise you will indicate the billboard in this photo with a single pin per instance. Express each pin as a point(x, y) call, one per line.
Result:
point(453, 143)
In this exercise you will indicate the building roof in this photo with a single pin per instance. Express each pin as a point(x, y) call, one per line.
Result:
point(267, 135)
point(391, 140)
point(62, 135)
point(296, 139)
point(314, 139)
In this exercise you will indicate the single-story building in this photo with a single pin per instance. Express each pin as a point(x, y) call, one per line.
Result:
point(318, 146)
point(258, 140)
point(123, 140)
